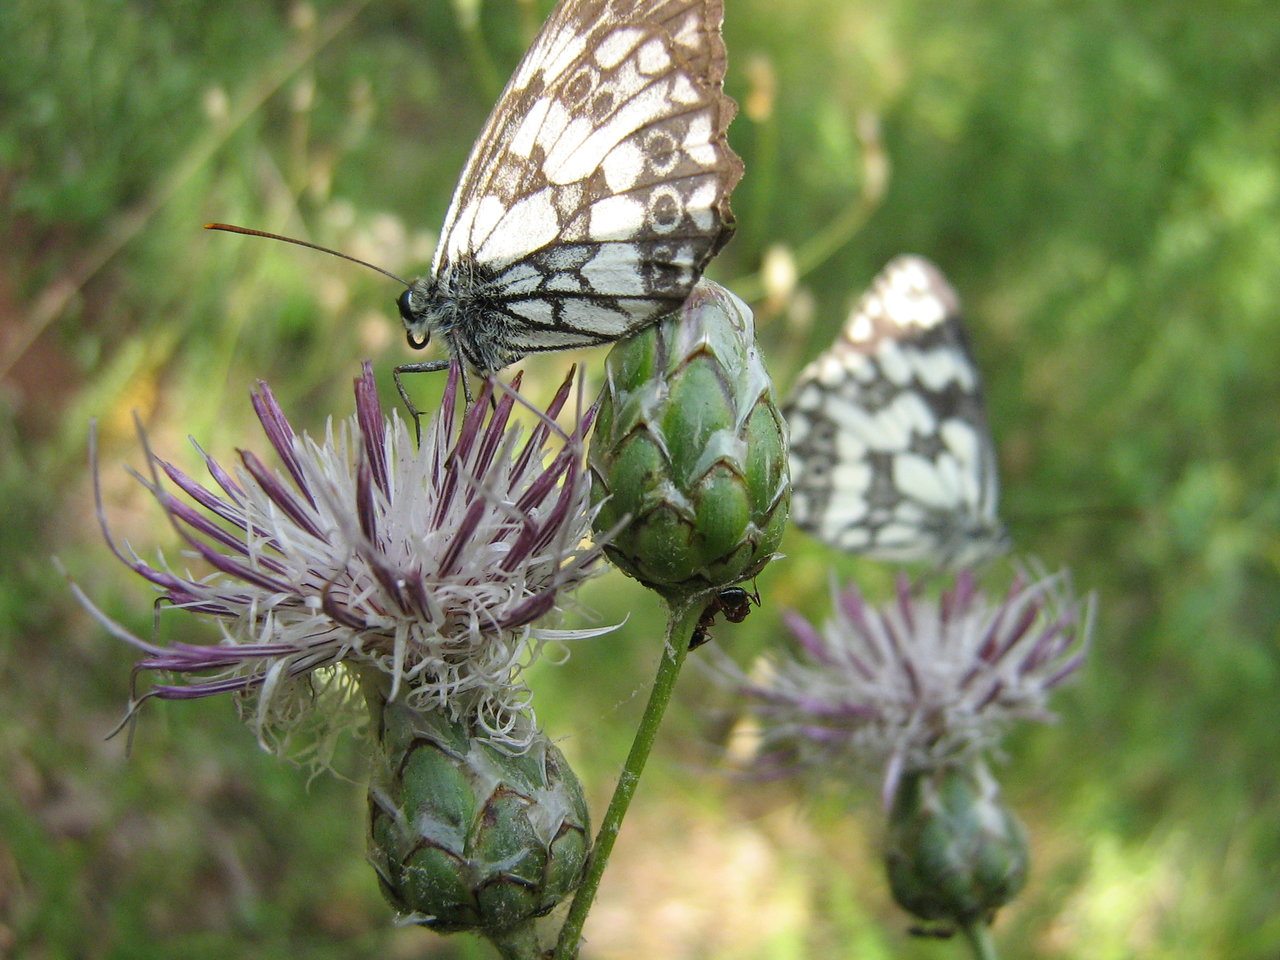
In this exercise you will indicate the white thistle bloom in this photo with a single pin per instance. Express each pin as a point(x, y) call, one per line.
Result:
point(426, 564)
point(919, 683)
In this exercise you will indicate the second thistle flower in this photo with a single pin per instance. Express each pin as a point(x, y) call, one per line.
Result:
point(689, 450)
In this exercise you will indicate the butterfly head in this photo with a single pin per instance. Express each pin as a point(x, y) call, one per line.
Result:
point(416, 310)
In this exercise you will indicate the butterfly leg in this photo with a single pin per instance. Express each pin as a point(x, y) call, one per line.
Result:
point(428, 366)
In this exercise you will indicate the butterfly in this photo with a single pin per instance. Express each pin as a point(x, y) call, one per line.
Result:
point(596, 193)
point(891, 455)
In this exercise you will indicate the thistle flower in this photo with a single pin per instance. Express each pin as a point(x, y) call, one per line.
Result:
point(926, 687)
point(426, 565)
point(921, 683)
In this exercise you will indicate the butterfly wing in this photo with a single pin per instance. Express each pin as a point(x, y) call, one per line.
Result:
point(599, 188)
point(891, 455)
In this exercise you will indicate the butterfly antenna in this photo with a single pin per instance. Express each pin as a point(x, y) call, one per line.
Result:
point(248, 232)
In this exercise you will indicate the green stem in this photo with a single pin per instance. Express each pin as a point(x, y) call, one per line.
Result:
point(682, 618)
point(978, 935)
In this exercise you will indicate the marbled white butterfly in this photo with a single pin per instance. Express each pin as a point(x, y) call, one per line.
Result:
point(891, 455)
point(597, 191)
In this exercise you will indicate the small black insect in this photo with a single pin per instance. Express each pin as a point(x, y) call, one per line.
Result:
point(734, 602)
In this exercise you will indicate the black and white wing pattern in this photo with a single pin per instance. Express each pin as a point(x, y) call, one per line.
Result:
point(891, 456)
point(597, 192)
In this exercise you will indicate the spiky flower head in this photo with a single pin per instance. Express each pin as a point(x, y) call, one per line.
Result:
point(689, 451)
point(920, 683)
point(428, 564)
point(465, 835)
point(955, 852)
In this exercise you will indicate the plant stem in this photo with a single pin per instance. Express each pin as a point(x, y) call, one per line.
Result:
point(978, 935)
point(682, 618)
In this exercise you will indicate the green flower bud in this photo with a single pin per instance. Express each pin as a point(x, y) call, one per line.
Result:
point(690, 450)
point(466, 837)
point(956, 852)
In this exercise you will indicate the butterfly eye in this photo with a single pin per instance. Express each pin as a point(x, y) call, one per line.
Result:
point(406, 311)
point(412, 322)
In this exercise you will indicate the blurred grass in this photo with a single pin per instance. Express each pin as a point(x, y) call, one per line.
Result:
point(1101, 183)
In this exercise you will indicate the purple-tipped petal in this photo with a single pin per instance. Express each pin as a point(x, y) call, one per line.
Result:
point(372, 426)
point(230, 512)
point(807, 636)
point(461, 540)
point(220, 476)
point(280, 435)
point(535, 607)
point(366, 505)
point(280, 495)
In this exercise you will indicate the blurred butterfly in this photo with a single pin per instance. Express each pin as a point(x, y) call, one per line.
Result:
point(891, 456)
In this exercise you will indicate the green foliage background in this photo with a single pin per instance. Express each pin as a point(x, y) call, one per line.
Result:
point(1101, 182)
